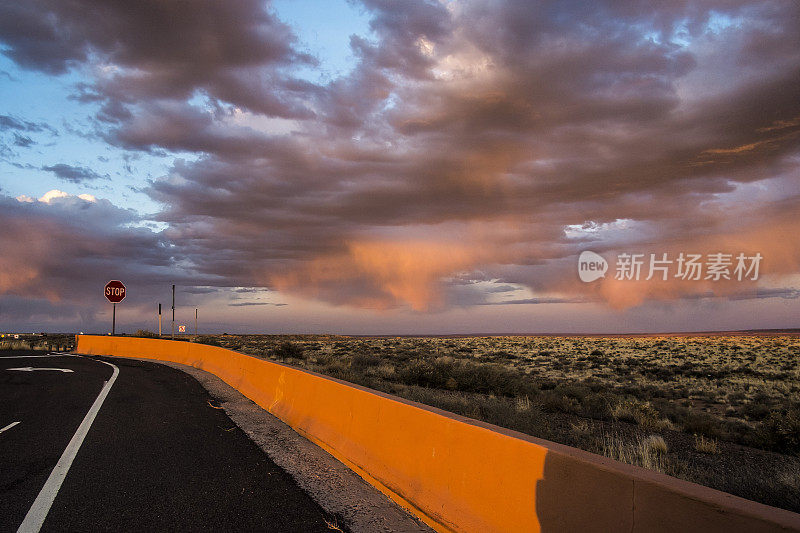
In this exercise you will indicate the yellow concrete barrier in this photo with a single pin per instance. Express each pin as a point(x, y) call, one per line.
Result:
point(458, 474)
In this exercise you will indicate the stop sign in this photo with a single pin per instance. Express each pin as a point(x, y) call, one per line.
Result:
point(114, 291)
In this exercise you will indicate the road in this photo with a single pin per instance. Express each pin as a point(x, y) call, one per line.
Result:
point(158, 454)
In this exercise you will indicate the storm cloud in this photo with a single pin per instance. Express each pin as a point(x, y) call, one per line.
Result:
point(483, 140)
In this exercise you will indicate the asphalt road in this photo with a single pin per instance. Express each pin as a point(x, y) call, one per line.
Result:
point(158, 455)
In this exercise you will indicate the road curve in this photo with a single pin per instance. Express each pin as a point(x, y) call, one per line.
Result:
point(159, 454)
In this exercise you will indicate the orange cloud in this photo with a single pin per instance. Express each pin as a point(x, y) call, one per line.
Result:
point(381, 275)
point(26, 249)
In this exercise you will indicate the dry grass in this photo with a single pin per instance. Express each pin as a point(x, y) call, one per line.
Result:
point(522, 404)
point(788, 478)
point(581, 429)
point(648, 452)
point(706, 445)
point(655, 445)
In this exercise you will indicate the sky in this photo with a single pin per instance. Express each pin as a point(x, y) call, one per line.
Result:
point(415, 167)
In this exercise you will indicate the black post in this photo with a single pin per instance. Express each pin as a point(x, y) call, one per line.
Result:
point(173, 312)
point(195, 322)
point(114, 321)
point(159, 320)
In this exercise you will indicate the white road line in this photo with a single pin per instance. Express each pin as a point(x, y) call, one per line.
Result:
point(34, 368)
point(11, 425)
point(41, 506)
point(29, 356)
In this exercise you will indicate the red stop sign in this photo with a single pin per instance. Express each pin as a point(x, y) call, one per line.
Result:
point(114, 291)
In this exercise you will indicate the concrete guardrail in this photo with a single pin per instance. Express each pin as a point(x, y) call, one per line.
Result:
point(459, 474)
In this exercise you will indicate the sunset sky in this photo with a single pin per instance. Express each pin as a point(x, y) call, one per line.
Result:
point(381, 167)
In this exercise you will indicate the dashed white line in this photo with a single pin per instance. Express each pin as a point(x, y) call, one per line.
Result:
point(31, 356)
point(33, 368)
point(41, 506)
point(11, 425)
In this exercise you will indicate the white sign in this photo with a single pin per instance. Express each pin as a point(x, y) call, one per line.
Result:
point(181, 329)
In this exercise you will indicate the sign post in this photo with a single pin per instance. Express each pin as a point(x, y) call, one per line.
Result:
point(114, 292)
point(159, 320)
point(173, 312)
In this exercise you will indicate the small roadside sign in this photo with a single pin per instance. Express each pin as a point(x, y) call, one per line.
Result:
point(114, 291)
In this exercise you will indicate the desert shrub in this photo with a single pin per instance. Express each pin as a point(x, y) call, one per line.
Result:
point(499, 411)
point(145, 333)
point(383, 371)
point(235, 344)
point(500, 355)
point(340, 369)
point(702, 424)
point(424, 373)
point(465, 376)
point(555, 402)
point(364, 361)
point(758, 408)
point(211, 341)
point(780, 431)
point(449, 401)
point(595, 385)
point(15, 345)
point(289, 350)
point(573, 390)
point(597, 405)
point(403, 355)
point(670, 409)
point(491, 379)
point(664, 424)
point(635, 411)
point(755, 411)
point(503, 412)
point(660, 373)
point(547, 384)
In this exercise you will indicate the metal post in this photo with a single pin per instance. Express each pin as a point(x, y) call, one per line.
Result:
point(195, 322)
point(114, 321)
point(159, 320)
point(173, 312)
